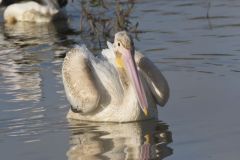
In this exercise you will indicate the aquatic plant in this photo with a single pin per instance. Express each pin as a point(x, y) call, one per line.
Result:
point(102, 19)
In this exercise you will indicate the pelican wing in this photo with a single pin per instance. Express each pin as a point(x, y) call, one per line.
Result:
point(154, 78)
point(79, 82)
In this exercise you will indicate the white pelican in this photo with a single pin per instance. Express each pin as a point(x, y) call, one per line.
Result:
point(119, 85)
point(31, 10)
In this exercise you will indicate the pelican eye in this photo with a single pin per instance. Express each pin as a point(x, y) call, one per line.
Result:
point(118, 44)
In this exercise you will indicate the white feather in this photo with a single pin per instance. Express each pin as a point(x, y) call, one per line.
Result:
point(104, 70)
point(109, 53)
point(123, 105)
point(30, 11)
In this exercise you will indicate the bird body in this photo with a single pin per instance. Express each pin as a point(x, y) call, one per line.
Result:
point(99, 87)
point(31, 10)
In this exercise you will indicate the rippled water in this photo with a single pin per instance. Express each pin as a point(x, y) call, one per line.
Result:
point(198, 55)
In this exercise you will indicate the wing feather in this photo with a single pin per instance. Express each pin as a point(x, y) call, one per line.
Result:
point(155, 80)
point(79, 82)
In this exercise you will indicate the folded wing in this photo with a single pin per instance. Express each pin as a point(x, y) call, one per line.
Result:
point(79, 83)
point(154, 78)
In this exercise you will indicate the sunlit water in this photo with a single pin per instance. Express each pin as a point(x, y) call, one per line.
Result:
point(199, 57)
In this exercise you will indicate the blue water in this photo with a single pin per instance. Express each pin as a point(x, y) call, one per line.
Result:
point(199, 56)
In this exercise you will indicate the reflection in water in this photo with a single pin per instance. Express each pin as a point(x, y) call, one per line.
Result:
point(21, 48)
point(19, 75)
point(138, 140)
point(26, 34)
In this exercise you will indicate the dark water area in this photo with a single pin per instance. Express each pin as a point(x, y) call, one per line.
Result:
point(193, 42)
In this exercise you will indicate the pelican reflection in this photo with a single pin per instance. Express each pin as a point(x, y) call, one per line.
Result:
point(137, 140)
point(27, 34)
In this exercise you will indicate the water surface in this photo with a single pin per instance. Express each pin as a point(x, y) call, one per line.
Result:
point(199, 56)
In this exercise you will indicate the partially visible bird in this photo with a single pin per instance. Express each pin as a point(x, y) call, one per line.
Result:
point(31, 10)
point(119, 85)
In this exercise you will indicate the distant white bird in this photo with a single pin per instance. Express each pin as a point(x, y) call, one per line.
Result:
point(119, 85)
point(31, 10)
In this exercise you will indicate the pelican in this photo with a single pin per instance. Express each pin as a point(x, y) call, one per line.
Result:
point(31, 10)
point(118, 85)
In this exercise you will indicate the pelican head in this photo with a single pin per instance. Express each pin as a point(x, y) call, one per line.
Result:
point(124, 53)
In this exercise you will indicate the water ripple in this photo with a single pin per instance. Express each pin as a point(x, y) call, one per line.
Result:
point(196, 52)
point(143, 140)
